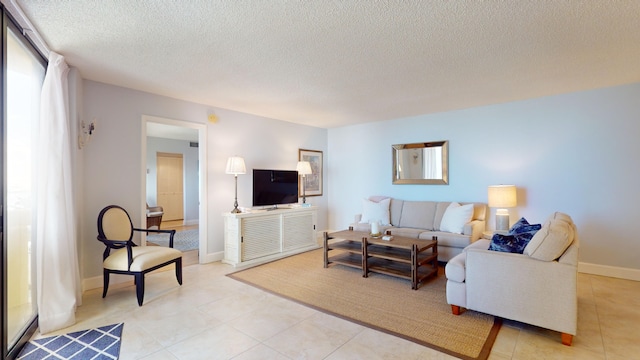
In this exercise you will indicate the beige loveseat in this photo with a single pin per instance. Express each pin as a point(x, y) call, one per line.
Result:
point(537, 287)
point(423, 220)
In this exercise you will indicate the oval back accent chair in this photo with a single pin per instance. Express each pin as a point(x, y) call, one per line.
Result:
point(115, 231)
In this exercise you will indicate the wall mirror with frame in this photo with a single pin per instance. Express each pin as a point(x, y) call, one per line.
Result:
point(421, 163)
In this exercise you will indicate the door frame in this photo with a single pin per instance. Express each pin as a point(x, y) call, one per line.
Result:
point(202, 176)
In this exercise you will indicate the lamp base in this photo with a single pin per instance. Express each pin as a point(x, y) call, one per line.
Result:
point(236, 211)
point(502, 220)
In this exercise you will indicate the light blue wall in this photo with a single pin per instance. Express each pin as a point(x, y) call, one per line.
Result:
point(190, 180)
point(577, 153)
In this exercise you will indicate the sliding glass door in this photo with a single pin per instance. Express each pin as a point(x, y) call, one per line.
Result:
point(23, 74)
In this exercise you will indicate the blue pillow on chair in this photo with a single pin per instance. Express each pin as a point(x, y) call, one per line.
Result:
point(511, 243)
point(523, 226)
point(517, 239)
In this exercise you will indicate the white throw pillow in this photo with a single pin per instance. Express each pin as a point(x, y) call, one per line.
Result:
point(455, 217)
point(376, 211)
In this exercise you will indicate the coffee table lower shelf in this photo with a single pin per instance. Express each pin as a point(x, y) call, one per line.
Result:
point(348, 259)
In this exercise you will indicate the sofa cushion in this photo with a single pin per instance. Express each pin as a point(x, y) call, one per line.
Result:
point(396, 211)
point(523, 226)
point(441, 208)
point(512, 243)
point(551, 241)
point(446, 238)
point(406, 232)
point(376, 211)
point(456, 217)
point(418, 214)
point(366, 227)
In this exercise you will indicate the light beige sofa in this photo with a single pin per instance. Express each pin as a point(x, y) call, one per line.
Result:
point(422, 220)
point(537, 287)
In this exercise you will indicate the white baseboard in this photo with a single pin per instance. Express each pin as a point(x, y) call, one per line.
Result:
point(114, 281)
point(610, 271)
point(213, 257)
point(190, 222)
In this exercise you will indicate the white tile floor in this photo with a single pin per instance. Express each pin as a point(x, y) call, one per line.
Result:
point(214, 317)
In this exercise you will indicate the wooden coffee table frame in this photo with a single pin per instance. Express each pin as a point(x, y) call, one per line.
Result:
point(401, 257)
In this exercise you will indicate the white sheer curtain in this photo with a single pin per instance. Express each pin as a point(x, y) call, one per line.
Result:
point(432, 163)
point(57, 258)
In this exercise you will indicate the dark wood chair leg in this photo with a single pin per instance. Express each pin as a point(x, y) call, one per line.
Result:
point(566, 339)
point(139, 279)
point(179, 270)
point(455, 309)
point(105, 282)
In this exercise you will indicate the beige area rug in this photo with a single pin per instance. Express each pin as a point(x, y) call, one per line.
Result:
point(381, 302)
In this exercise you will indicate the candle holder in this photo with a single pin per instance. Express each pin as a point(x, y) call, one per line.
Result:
point(375, 229)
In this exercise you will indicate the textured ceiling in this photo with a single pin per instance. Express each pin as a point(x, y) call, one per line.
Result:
point(332, 63)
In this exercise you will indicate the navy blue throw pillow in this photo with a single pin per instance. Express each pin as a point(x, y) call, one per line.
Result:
point(523, 226)
point(512, 243)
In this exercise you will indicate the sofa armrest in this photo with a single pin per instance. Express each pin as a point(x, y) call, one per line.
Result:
point(518, 287)
point(475, 228)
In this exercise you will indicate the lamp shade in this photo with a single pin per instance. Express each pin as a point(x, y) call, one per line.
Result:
point(304, 168)
point(235, 166)
point(502, 196)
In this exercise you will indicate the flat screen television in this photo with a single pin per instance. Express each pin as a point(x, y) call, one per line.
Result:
point(274, 187)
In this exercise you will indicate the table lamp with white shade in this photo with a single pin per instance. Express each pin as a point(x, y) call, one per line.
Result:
point(304, 169)
point(502, 197)
point(235, 166)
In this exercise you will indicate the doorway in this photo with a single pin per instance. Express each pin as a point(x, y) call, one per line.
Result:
point(175, 178)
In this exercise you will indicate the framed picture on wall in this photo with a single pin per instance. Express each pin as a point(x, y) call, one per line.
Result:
point(313, 182)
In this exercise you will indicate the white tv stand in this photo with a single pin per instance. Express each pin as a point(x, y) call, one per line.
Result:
point(257, 237)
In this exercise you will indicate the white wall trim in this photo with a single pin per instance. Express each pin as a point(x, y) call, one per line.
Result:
point(610, 271)
point(212, 257)
point(115, 281)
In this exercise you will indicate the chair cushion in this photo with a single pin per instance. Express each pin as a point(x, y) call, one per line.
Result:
point(560, 216)
point(551, 241)
point(144, 257)
point(155, 214)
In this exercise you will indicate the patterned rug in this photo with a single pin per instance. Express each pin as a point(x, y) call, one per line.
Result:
point(183, 240)
point(102, 343)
